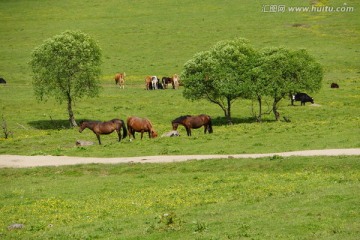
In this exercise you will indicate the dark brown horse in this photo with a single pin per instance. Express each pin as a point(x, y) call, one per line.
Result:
point(104, 127)
point(166, 80)
point(190, 122)
point(136, 124)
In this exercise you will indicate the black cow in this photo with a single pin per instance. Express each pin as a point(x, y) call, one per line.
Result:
point(303, 97)
point(2, 80)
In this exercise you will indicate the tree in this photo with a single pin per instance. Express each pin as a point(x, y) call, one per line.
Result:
point(281, 72)
point(66, 66)
point(220, 74)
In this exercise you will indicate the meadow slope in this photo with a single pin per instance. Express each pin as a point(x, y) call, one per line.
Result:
point(157, 38)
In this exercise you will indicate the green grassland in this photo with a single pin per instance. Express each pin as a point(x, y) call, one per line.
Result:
point(271, 198)
point(157, 38)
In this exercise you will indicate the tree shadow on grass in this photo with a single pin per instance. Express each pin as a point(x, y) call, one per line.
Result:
point(221, 121)
point(52, 124)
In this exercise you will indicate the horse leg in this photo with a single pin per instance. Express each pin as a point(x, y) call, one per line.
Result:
point(188, 131)
point(131, 133)
point(98, 137)
point(119, 134)
point(142, 133)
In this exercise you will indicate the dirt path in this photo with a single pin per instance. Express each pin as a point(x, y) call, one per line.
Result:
point(15, 161)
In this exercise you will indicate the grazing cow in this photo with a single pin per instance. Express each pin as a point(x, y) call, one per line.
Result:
point(303, 97)
point(334, 85)
point(120, 80)
point(2, 80)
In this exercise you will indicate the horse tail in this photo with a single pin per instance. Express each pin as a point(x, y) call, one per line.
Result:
point(124, 129)
point(210, 126)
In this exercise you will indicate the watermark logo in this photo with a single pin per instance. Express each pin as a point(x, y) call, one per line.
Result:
point(278, 8)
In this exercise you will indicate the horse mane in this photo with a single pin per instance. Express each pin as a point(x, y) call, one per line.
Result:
point(89, 121)
point(181, 118)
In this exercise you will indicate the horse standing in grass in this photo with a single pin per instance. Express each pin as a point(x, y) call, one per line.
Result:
point(104, 127)
point(136, 124)
point(154, 82)
point(166, 80)
point(195, 122)
point(175, 81)
point(120, 80)
point(148, 84)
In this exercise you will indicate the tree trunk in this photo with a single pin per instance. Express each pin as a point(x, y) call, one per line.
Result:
point(260, 109)
point(228, 116)
point(274, 108)
point(226, 109)
point(71, 113)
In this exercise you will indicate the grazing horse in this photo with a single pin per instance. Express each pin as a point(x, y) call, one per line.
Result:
point(166, 80)
point(104, 127)
point(148, 84)
point(120, 80)
point(154, 82)
point(190, 122)
point(136, 124)
point(175, 81)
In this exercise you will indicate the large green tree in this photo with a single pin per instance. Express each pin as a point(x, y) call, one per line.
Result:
point(281, 72)
point(66, 66)
point(220, 74)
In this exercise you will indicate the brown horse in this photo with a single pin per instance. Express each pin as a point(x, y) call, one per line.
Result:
point(166, 80)
point(190, 122)
point(148, 85)
point(136, 124)
point(104, 127)
point(120, 80)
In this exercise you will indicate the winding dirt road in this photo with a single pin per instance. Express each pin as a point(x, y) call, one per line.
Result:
point(16, 161)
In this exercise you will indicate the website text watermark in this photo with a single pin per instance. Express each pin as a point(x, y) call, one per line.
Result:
point(278, 8)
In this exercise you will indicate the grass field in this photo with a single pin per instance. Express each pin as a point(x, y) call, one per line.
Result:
point(158, 38)
point(270, 198)
point(273, 198)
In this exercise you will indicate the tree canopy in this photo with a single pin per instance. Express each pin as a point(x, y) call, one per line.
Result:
point(67, 67)
point(281, 72)
point(220, 74)
point(234, 69)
